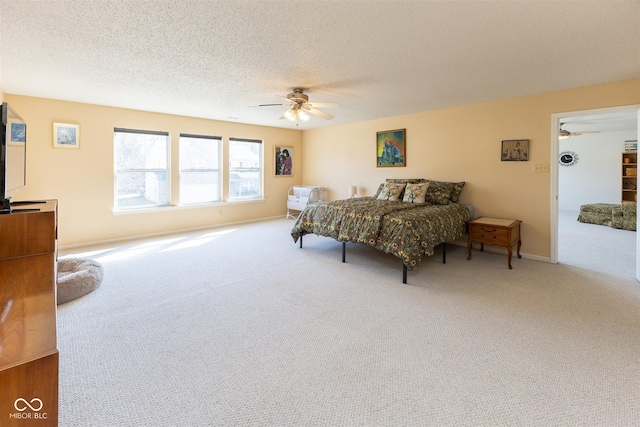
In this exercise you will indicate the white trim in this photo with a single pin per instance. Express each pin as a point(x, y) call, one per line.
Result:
point(502, 251)
point(638, 214)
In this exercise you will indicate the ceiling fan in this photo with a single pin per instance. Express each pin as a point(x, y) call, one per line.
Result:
point(564, 134)
point(299, 106)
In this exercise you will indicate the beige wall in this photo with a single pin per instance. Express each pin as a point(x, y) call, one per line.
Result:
point(463, 144)
point(457, 144)
point(83, 180)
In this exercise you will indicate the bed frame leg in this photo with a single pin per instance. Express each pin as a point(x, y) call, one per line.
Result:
point(344, 251)
point(444, 253)
point(404, 274)
point(301, 241)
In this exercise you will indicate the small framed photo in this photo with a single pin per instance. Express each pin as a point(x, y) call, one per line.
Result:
point(17, 132)
point(66, 135)
point(283, 161)
point(391, 150)
point(515, 150)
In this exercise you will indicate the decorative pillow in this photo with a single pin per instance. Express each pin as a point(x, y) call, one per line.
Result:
point(457, 189)
point(439, 193)
point(391, 192)
point(405, 180)
point(415, 193)
point(398, 181)
point(380, 187)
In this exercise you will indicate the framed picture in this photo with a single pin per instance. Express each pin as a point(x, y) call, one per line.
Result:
point(391, 149)
point(17, 132)
point(515, 150)
point(66, 135)
point(283, 161)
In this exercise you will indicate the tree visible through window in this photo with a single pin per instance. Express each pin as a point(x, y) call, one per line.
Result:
point(141, 163)
point(199, 169)
point(245, 168)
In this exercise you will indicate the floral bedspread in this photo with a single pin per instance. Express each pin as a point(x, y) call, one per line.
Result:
point(412, 235)
point(406, 230)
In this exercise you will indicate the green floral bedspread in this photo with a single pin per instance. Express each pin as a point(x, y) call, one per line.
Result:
point(406, 230)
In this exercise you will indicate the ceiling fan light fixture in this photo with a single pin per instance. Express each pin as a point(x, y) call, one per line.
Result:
point(290, 114)
point(302, 115)
point(300, 108)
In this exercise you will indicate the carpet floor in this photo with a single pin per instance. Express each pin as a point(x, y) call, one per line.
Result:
point(238, 326)
point(596, 247)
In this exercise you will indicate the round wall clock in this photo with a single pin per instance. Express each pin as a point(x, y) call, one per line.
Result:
point(568, 158)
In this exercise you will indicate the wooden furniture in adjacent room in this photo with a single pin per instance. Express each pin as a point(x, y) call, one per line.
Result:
point(28, 343)
point(629, 176)
point(495, 231)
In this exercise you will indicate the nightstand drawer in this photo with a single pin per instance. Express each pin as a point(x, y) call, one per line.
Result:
point(487, 234)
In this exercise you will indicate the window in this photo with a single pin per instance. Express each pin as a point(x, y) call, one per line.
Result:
point(245, 168)
point(199, 169)
point(141, 163)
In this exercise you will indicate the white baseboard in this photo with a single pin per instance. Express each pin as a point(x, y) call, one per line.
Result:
point(502, 250)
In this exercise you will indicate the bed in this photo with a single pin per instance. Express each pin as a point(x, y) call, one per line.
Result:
point(398, 220)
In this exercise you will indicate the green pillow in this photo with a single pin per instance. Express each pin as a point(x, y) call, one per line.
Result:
point(438, 193)
point(442, 192)
point(455, 192)
point(405, 180)
point(380, 187)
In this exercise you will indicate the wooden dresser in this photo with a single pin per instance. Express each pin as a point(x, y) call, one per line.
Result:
point(28, 343)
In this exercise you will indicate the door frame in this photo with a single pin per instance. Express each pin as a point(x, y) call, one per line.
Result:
point(556, 119)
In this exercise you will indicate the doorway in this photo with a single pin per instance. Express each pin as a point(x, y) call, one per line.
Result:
point(611, 126)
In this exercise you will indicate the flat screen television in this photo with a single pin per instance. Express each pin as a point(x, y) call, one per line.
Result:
point(13, 156)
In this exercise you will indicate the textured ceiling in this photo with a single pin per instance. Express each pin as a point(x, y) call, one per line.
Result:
point(215, 59)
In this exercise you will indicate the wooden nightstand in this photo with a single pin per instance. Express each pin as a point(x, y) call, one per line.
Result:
point(495, 231)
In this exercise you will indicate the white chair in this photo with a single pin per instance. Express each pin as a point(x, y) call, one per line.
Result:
point(300, 196)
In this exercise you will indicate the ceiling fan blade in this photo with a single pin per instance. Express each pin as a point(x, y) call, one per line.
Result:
point(324, 105)
point(319, 113)
point(270, 105)
point(583, 132)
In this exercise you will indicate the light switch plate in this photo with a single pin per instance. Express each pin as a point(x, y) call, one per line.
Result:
point(540, 168)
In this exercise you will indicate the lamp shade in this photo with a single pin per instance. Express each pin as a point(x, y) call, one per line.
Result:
point(353, 190)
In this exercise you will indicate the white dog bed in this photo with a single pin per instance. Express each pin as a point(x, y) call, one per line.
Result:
point(77, 277)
